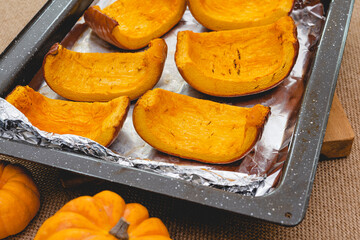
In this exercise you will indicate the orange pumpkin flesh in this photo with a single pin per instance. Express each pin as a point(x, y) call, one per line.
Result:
point(197, 129)
point(94, 217)
point(132, 24)
point(100, 122)
point(236, 14)
point(103, 76)
point(19, 199)
point(237, 62)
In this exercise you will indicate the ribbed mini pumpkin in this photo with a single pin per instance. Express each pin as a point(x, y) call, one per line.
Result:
point(104, 216)
point(19, 199)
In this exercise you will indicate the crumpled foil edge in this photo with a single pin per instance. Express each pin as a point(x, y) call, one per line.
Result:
point(15, 126)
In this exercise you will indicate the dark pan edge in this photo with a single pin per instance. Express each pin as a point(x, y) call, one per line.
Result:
point(305, 147)
point(24, 57)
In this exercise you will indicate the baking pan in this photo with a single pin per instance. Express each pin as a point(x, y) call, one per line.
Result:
point(286, 205)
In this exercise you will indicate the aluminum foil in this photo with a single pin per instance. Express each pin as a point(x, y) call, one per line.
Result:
point(15, 126)
point(255, 175)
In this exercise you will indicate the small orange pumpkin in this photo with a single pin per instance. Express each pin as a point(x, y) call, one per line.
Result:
point(19, 199)
point(104, 216)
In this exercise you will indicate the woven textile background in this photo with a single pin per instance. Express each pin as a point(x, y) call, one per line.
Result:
point(334, 205)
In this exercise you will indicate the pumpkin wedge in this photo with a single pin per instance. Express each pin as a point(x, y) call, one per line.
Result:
point(238, 62)
point(197, 129)
point(236, 14)
point(132, 24)
point(104, 216)
point(100, 122)
point(103, 76)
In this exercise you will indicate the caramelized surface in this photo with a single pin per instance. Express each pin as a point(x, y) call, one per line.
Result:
point(197, 129)
point(235, 14)
point(237, 62)
point(100, 122)
point(238, 58)
point(132, 24)
point(138, 18)
point(104, 76)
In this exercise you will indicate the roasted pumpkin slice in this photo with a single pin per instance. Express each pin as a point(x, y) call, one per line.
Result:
point(132, 24)
point(238, 62)
point(236, 14)
point(103, 76)
point(100, 122)
point(197, 129)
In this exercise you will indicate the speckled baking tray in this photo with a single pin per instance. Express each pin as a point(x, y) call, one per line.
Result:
point(286, 205)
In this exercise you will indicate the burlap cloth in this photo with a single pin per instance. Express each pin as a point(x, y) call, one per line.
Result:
point(334, 211)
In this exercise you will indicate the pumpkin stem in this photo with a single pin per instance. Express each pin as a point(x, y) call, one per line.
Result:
point(120, 230)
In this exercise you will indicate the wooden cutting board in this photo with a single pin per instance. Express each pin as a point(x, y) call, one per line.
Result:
point(339, 135)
